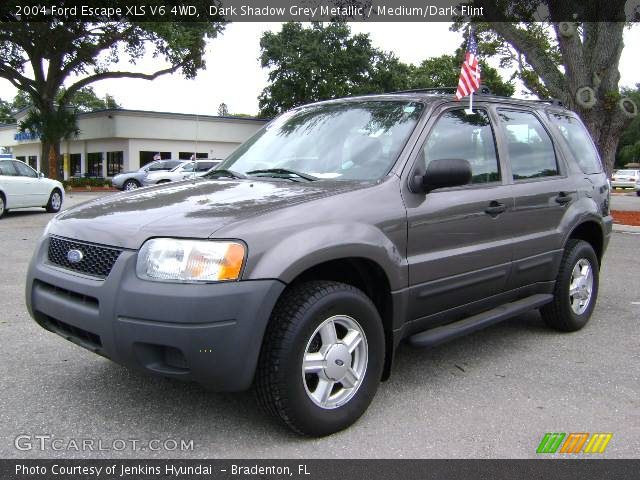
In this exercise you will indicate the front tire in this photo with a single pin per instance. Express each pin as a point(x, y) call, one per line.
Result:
point(322, 358)
point(55, 201)
point(130, 185)
point(576, 289)
point(3, 206)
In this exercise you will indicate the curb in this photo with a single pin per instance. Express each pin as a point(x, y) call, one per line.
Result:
point(617, 227)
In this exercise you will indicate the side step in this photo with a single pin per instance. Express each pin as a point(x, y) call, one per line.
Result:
point(438, 335)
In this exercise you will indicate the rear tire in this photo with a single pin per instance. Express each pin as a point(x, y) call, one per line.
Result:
point(576, 289)
point(3, 206)
point(638, 193)
point(55, 201)
point(321, 359)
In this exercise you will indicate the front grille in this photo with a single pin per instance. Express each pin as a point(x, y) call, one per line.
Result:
point(63, 292)
point(96, 261)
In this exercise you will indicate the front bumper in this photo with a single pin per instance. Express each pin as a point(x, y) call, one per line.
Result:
point(208, 333)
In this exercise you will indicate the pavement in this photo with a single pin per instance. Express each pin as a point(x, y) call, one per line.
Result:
point(493, 394)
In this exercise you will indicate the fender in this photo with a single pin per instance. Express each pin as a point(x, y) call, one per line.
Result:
point(313, 246)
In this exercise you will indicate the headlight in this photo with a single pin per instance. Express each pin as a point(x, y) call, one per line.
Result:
point(171, 259)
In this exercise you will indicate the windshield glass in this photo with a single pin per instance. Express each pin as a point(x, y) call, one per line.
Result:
point(357, 140)
point(626, 172)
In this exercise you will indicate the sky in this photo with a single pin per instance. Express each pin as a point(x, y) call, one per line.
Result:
point(234, 76)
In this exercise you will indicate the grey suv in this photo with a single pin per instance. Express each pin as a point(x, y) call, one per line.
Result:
point(339, 230)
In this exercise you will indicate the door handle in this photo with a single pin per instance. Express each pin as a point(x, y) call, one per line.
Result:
point(495, 208)
point(563, 198)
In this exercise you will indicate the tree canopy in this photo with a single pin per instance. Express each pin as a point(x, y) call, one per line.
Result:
point(73, 54)
point(324, 61)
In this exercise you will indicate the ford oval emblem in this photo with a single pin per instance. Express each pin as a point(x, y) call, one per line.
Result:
point(74, 256)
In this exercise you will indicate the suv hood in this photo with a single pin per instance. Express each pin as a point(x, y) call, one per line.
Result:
point(194, 209)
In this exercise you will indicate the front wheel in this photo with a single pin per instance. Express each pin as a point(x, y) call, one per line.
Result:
point(130, 184)
point(576, 288)
point(3, 206)
point(55, 202)
point(322, 357)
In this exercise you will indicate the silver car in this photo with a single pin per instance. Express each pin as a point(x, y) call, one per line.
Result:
point(133, 180)
point(186, 169)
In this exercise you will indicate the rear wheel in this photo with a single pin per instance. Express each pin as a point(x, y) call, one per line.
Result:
point(322, 357)
point(576, 288)
point(130, 184)
point(55, 201)
point(3, 209)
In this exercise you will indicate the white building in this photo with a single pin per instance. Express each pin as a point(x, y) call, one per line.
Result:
point(111, 141)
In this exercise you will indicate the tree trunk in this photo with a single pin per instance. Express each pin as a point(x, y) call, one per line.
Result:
point(49, 159)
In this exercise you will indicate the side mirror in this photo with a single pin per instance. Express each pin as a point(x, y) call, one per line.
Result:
point(40, 175)
point(441, 173)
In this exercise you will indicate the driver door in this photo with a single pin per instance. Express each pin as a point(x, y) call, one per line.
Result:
point(458, 237)
point(35, 192)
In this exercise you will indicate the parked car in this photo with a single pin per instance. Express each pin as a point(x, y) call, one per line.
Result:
point(22, 187)
point(133, 180)
point(339, 230)
point(185, 170)
point(626, 178)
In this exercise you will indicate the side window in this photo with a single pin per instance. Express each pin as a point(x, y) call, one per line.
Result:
point(7, 168)
point(469, 137)
point(24, 170)
point(579, 143)
point(530, 148)
point(204, 166)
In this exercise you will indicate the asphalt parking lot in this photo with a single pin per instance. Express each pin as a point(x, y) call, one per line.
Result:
point(490, 395)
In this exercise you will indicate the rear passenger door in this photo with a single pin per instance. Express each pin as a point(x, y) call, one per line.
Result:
point(458, 243)
point(542, 193)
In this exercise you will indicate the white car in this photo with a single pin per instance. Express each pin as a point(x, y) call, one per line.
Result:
point(183, 171)
point(625, 178)
point(22, 187)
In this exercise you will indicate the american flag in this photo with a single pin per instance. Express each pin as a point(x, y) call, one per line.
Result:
point(469, 81)
point(157, 156)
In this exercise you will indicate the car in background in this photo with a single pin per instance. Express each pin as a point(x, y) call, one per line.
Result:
point(22, 187)
point(626, 178)
point(186, 169)
point(133, 180)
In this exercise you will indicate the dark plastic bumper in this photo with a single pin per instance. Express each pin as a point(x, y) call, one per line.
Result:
point(208, 333)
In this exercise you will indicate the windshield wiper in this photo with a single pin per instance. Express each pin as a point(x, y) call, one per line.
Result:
point(284, 171)
point(223, 172)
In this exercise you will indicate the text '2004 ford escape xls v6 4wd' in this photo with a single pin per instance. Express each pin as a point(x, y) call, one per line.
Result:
point(338, 230)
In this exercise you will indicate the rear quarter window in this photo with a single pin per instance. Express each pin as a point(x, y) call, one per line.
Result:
point(579, 142)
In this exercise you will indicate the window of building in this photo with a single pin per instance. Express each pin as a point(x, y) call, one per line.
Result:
point(33, 161)
point(579, 143)
point(21, 158)
point(530, 148)
point(147, 157)
point(187, 155)
point(75, 164)
point(94, 164)
point(114, 163)
point(469, 137)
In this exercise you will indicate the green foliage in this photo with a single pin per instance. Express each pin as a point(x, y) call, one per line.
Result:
point(444, 71)
point(79, 182)
point(323, 62)
point(326, 61)
point(6, 112)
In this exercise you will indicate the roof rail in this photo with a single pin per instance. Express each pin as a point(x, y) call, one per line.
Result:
point(553, 101)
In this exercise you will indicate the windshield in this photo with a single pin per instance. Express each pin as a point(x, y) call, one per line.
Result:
point(626, 172)
point(357, 140)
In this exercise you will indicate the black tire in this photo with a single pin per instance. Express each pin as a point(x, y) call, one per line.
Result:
point(3, 206)
point(559, 314)
point(130, 184)
point(279, 383)
point(638, 193)
point(52, 205)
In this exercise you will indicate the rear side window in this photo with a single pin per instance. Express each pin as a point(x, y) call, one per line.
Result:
point(579, 143)
point(529, 146)
point(204, 166)
point(469, 137)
